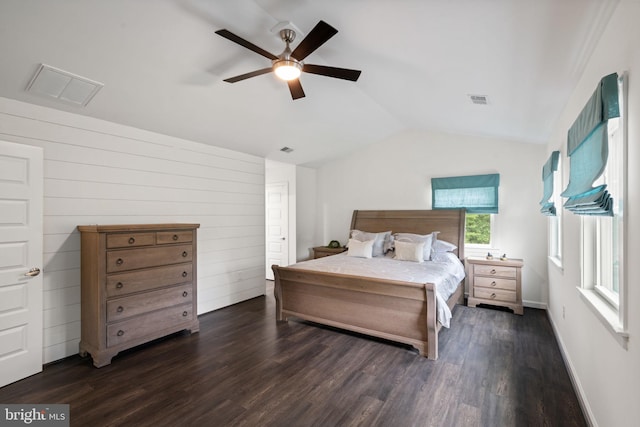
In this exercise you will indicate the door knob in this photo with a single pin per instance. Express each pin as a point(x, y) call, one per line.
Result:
point(33, 272)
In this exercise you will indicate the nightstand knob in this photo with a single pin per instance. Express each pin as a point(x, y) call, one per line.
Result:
point(184, 314)
point(120, 309)
point(175, 237)
point(493, 295)
point(493, 283)
point(120, 333)
point(185, 294)
point(493, 271)
point(185, 274)
point(184, 254)
point(119, 261)
point(132, 240)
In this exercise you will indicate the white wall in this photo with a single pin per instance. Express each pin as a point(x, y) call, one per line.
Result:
point(607, 376)
point(97, 172)
point(396, 173)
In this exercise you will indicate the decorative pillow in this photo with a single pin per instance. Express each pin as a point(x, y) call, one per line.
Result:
point(427, 239)
point(409, 251)
point(380, 240)
point(360, 249)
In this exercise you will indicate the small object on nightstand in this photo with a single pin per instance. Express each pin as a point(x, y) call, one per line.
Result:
point(333, 244)
point(489, 256)
point(503, 257)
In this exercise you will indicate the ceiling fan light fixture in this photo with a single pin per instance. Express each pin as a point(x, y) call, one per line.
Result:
point(287, 69)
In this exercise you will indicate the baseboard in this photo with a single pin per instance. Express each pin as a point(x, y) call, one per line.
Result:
point(575, 381)
point(534, 304)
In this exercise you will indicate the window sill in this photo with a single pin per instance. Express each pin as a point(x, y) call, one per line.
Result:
point(606, 314)
point(557, 262)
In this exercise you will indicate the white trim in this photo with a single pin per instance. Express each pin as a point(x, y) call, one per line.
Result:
point(606, 314)
point(575, 381)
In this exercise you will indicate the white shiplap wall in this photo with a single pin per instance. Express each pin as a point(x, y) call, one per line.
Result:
point(97, 172)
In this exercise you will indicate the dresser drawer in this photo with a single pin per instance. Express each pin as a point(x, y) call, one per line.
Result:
point(140, 326)
point(122, 308)
point(495, 294)
point(126, 240)
point(495, 283)
point(120, 284)
point(170, 237)
point(122, 260)
point(495, 271)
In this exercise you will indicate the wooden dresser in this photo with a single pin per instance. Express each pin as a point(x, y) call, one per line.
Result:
point(495, 282)
point(139, 283)
point(323, 251)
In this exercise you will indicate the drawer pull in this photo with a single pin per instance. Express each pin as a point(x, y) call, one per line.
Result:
point(493, 295)
point(493, 271)
point(185, 274)
point(132, 240)
point(119, 285)
point(184, 314)
point(185, 294)
point(184, 254)
point(120, 333)
point(175, 237)
point(493, 283)
point(119, 261)
point(120, 309)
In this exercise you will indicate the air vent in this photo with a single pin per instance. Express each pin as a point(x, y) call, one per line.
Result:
point(63, 86)
point(286, 149)
point(479, 99)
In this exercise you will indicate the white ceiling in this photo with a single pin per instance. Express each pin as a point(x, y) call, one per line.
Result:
point(162, 67)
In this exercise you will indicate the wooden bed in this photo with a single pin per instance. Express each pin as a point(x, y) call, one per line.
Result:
point(395, 310)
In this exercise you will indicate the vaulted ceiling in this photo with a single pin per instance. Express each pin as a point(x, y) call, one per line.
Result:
point(162, 66)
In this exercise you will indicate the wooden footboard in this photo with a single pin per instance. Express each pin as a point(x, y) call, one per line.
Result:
point(398, 311)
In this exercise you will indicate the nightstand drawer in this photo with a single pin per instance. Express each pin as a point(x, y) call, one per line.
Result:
point(495, 294)
point(495, 271)
point(495, 283)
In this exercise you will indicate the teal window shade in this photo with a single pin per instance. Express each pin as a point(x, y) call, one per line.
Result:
point(588, 150)
point(548, 208)
point(476, 193)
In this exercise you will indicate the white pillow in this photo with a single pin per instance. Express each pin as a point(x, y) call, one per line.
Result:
point(381, 240)
point(409, 251)
point(443, 246)
point(360, 249)
point(427, 239)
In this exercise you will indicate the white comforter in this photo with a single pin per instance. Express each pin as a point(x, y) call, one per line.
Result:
point(446, 273)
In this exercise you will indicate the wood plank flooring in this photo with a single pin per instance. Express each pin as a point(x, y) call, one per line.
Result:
point(243, 369)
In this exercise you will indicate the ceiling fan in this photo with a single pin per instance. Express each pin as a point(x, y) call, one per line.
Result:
point(288, 65)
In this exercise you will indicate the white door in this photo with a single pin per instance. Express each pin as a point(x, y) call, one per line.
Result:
point(21, 189)
point(277, 205)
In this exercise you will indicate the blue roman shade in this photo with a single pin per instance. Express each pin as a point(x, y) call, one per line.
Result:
point(548, 208)
point(588, 150)
point(476, 193)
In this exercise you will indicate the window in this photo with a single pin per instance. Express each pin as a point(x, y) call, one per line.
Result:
point(555, 222)
point(478, 229)
point(600, 163)
point(602, 236)
point(478, 194)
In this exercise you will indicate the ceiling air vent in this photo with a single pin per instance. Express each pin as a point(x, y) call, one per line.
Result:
point(63, 86)
point(286, 149)
point(479, 99)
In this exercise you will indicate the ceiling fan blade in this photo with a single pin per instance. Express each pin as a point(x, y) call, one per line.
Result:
point(316, 38)
point(296, 89)
point(248, 75)
point(338, 73)
point(242, 42)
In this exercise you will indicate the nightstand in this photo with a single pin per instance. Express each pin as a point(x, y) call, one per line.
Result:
point(495, 282)
point(323, 251)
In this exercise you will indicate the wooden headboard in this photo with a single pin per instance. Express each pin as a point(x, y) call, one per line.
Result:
point(449, 222)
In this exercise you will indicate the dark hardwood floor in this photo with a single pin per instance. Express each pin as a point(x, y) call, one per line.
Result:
point(495, 369)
